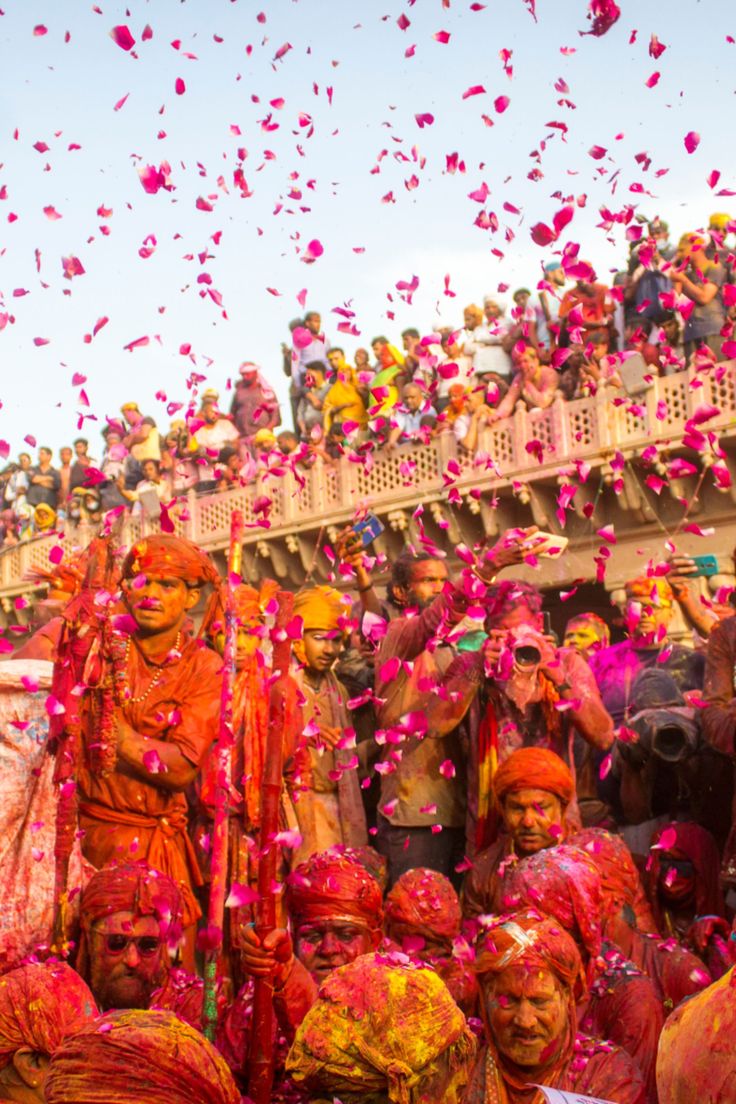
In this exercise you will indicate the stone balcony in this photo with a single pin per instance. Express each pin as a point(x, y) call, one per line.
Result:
point(434, 492)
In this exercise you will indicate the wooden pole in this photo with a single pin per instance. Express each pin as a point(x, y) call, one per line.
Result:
point(261, 1064)
point(219, 866)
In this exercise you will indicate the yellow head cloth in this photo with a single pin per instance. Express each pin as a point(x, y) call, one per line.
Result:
point(322, 607)
point(381, 1026)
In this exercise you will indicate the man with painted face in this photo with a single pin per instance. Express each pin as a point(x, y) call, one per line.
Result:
point(587, 633)
point(142, 746)
point(335, 909)
point(530, 975)
point(423, 791)
point(649, 611)
point(326, 790)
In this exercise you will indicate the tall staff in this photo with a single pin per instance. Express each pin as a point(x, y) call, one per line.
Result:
point(218, 882)
point(261, 1063)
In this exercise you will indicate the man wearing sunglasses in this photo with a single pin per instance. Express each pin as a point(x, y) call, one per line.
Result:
point(131, 920)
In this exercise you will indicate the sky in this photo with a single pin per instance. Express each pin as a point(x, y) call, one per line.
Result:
point(287, 122)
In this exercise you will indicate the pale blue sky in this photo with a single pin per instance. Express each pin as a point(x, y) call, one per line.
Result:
point(358, 50)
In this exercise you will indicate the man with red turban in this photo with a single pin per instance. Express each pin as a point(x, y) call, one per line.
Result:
point(563, 882)
point(683, 882)
point(133, 1057)
point(336, 910)
point(696, 1063)
point(131, 919)
point(627, 921)
point(423, 920)
point(135, 740)
point(40, 1006)
point(327, 799)
point(530, 975)
point(383, 1030)
point(531, 792)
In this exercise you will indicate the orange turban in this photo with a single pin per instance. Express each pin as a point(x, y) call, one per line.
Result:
point(564, 883)
point(40, 1005)
point(538, 943)
point(653, 588)
point(129, 887)
point(322, 607)
point(250, 606)
point(334, 885)
point(163, 555)
point(533, 768)
point(382, 1028)
point(426, 902)
point(136, 1057)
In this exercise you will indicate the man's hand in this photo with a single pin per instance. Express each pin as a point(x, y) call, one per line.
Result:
point(272, 957)
point(511, 548)
point(329, 735)
point(704, 929)
point(493, 647)
point(349, 547)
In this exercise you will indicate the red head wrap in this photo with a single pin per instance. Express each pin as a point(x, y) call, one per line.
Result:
point(40, 1005)
point(696, 844)
point(620, 882)
point(564, 883)
point(654, 590)
point(128, 887)
point(536, 942)
point(163, 555)
point(334, 885)
point(425, 902)
point(534, 768)
point(135, 1057)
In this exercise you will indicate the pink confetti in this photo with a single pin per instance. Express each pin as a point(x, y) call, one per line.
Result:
point(441, 36)
point(241, 896)
point(179, 86)
point(38, 341)
point(652, 80)
point(424, 119)
point(403, 23)
point(692, 141)
point(72, 266)
point(39, 30)
point(501, 103)
point(474, 90)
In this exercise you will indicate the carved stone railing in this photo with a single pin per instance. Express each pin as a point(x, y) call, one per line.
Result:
point(513, 478)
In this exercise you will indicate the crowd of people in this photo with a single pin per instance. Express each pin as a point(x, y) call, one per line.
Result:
point(669, 308)
point(503, 860)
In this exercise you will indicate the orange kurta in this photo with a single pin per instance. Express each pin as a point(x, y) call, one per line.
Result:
point(124, 817)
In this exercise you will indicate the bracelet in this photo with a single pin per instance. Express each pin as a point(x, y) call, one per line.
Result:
point(562, 686)
point(362, 590)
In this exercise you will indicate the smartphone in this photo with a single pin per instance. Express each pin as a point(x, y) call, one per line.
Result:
point(706, 565)
point(546, 544)
point(368, 529)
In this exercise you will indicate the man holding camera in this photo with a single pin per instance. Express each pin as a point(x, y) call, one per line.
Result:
point(520, 690)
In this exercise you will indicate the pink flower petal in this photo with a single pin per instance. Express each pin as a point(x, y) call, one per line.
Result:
point(122, 37)
point(692, 141)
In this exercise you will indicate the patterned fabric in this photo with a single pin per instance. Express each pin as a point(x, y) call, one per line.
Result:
point(40, 1005)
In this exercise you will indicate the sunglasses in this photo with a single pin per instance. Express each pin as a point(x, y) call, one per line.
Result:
point(684, 868)
point(116, 943)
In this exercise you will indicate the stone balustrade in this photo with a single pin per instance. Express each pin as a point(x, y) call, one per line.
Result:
point(436, 493)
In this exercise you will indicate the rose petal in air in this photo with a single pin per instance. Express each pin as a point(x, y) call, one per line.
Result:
point(692, 141)
point(122, 37)
point(241, 895)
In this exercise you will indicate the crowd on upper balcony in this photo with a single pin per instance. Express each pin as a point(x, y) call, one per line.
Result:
point(669, 308)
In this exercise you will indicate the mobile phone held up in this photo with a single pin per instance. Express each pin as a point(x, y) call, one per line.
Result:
point(707, 566)
point(546, 544)
point(368, 528)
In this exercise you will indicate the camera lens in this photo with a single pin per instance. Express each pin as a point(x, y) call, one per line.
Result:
point(527, 656)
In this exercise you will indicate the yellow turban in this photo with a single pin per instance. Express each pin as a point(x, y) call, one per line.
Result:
point(322, 607)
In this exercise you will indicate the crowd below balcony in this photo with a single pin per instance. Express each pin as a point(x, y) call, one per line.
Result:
point(670, 308)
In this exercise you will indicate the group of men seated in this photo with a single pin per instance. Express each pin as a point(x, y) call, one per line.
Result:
point(488, 944)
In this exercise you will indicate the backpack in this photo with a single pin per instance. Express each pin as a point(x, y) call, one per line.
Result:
point(651, 285)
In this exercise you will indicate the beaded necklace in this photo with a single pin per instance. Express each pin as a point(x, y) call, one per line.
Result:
point(122, 690)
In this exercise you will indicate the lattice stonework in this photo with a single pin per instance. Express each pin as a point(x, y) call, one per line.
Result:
point(582, 426)
point(498, 442)
point(674, 393)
